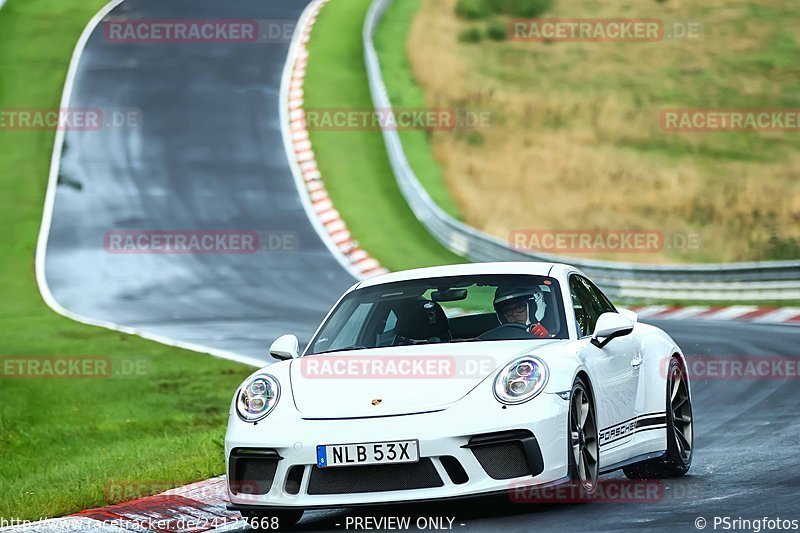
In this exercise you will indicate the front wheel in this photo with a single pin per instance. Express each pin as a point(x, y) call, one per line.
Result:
point(272, 520)
point(584, 451)
point(680, 431)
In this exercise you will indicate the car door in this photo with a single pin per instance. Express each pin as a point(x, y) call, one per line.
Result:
point(615, 367)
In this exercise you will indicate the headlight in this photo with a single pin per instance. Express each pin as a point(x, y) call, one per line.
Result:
point(521, 380)
point(257, 397)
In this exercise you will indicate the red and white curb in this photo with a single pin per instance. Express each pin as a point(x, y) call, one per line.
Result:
point(744, 313)
point(322, 206)
point(193, 508)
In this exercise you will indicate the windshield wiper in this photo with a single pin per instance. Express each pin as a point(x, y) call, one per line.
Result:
point(345, 349)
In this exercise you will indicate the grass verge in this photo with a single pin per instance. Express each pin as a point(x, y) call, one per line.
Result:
point(158, 416)
point(633, 302)
point(574, 118)
point(404, 93)
point(354, 164)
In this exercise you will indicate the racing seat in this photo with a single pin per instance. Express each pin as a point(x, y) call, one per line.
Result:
point(550, 320)
point(421, 321)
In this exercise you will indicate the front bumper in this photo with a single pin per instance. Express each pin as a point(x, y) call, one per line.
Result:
point(463, 452)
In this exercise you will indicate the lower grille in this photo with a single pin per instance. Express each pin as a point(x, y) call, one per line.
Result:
point(294, 479)
point(454, 469)
point(374, 478)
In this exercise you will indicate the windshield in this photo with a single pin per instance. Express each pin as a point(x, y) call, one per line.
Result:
point(444, 310)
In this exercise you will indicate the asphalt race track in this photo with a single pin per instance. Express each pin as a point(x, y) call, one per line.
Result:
point(209, 156)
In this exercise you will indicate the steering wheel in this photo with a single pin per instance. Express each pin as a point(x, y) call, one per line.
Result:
point(495, 333)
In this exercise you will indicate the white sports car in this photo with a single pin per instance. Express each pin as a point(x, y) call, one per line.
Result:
point(458, 381)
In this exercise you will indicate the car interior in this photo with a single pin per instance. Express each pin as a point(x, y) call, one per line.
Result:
point(430, 316)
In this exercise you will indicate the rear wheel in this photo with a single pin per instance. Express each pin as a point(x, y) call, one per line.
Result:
point(680, 431)
point(272, 520)
point(583, 442)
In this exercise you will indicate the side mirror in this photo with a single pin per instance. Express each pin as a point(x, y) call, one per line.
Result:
point(610, 326)
point(285, 347)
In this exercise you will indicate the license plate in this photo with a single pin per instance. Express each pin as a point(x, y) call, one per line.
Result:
point(368, 453)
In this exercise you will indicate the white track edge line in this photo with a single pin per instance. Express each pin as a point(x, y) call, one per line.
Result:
point(44, 231)
point(47, 215)
point(47, 219)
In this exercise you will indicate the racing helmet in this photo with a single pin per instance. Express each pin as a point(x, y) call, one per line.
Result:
point(505, 296)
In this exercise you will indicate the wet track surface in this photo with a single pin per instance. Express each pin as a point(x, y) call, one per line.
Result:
point(209, 156)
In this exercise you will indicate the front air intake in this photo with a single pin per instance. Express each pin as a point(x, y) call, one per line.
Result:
point(507, 454)
point(251, 471)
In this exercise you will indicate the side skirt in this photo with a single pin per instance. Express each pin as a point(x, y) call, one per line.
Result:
point(637, 459)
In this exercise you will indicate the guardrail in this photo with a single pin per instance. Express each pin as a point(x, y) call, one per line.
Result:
point(772, 280)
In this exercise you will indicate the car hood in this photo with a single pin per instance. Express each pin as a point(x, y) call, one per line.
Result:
point(399, 379)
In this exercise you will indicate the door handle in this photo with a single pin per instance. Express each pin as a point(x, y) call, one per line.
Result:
point(636, 362)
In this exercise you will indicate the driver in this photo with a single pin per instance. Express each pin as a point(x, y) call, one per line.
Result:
point(521, 305)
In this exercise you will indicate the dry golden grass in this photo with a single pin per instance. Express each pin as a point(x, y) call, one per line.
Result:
point(578, 144)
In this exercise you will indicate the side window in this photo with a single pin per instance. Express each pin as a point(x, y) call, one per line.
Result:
point(602, 303)
point(349, 334)
point(586, 310)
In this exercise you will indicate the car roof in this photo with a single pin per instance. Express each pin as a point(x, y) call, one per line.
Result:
point(515, 267)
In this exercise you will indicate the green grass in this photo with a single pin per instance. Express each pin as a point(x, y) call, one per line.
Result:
point(633, 302)
point(405, 93)
point(63, 441)
point(599, 106)
point(353, 163)
point(66, 443)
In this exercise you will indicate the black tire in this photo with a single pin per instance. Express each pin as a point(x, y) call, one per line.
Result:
point(680, 431)
point(282, 520)
point(583, 441)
